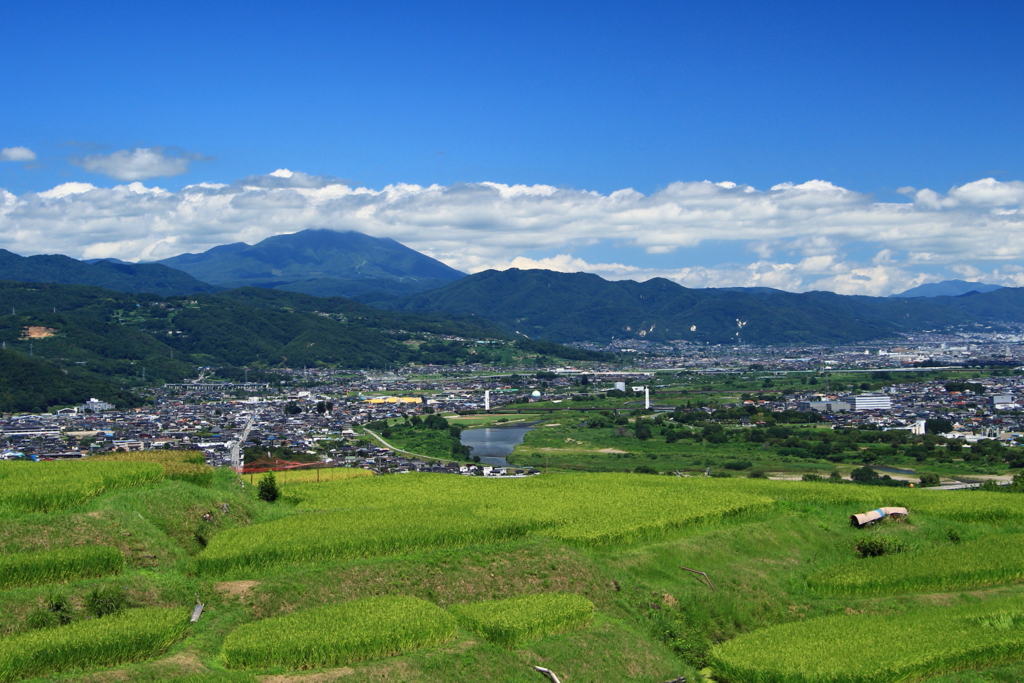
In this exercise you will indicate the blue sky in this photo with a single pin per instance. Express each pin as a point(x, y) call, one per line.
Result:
point(582, 97)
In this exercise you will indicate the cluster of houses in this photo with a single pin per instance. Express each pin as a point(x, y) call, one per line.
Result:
point(310, 407)
point(322, 422)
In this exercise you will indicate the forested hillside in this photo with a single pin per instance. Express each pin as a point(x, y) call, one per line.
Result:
point(30, 384)
point(65, 343)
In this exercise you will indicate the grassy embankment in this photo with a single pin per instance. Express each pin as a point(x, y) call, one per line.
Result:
point(617, 541)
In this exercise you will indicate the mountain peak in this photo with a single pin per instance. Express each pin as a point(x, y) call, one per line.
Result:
point(947, 288)
point(316, 254)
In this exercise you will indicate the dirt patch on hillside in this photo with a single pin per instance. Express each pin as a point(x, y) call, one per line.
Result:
point(397, 671)
point(611, 450)
point(322, 677)
point(183, 663)
point(175, 666)
point(37, 332)
point(236, 589)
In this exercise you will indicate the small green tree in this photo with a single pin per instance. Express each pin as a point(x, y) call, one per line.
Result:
point(864, 474)
point(938, 425)
point(929, 479)
point(267, 489)
point(642, 430)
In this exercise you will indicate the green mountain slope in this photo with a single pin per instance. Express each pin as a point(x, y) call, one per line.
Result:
point(121, 277)
point(367, 290)
point(322, 262)
point(30, 384)
point(118, 333)
point(65, 343)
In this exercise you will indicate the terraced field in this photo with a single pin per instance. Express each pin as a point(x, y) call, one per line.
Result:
point(443, 578)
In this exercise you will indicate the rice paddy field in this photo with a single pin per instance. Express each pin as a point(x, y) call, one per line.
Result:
point(441, 578)
point(513, 621)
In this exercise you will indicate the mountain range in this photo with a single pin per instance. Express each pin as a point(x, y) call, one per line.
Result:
point(535, 304)
point(109, 274)
point(566, 307)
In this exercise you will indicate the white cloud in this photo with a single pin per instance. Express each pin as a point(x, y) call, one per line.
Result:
point(566, 263)
point(140, 163)
point(17, 154)
point(799, 234)
point(67, 189)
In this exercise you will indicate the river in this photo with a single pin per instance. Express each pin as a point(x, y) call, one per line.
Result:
point(494, 444)
point(892, 470)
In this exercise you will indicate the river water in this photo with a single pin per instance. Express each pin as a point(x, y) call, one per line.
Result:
point(494, 444)
point(892, 470)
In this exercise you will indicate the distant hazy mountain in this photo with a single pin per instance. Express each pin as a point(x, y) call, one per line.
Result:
point(319, 262)
point(947, 288)
point(109, 274)
point(567, 307)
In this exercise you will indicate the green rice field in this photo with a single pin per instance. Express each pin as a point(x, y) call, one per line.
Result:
point(986, 561)
point(870, 648)
point(335, 635)
point(512, 621)
point(135, 634)
point(63, 564)
point(446, 579)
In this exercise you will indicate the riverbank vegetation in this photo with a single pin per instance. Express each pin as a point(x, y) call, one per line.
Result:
point(736, 442)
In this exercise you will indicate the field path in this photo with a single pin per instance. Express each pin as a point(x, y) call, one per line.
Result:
point(402, 450)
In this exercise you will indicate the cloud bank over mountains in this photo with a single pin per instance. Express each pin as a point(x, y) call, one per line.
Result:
point(797, 237)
